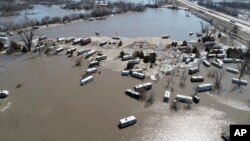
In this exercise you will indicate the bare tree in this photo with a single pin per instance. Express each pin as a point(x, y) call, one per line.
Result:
point(219, 75)
point(27, 34)
point(202, 27)
point(244, 63)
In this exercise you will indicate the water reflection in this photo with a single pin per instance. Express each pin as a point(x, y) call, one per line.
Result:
point(197, 124)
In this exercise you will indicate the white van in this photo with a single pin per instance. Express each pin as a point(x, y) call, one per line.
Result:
point(167, 96)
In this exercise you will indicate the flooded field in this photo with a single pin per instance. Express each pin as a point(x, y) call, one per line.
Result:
point(39, 12)
point(51, 105)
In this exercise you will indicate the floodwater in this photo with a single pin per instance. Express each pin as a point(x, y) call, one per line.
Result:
point(51, 105)
point(151, 23)
point(41, 11)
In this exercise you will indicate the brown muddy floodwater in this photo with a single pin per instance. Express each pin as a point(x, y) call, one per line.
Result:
point(51, 105)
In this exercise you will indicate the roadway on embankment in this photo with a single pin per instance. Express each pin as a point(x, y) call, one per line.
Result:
point(241, 25)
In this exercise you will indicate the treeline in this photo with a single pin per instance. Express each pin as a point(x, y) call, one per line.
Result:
point(218, 7)
point(10, 25)
point(110, 6)
point(239, 5)
point(11, 7)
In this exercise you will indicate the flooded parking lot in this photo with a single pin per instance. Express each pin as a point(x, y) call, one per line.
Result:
point(51, 104)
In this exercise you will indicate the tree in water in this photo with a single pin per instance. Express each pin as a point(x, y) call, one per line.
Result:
point(122, 53)
point(219, 75)
point(27, 35)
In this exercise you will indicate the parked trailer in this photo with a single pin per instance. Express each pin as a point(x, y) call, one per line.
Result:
point(232, 70)
point(143, 87)
point(138, 75)
point(188, 60)
point(125, 73)
point(100, 58)
point(204, 87)
point(91, 70)
point(42, 38)
point(184, 99)
point(219, 61)
point(206, 63)
point(125, 122)
point(69, 39)
point(127, 57)
point(94, 63)
point(76, 41)
point(85, 41)
point(167, 96)
point(197, 79)
point(217, 51)
point(228, 60)
point(239, 82)
point(52, 47)
point(164, 36)
point(81, 52)
point(216, 64)
point(39, 48)
point(136, 70)
point(70, 51)
point(237, 60)
point(90, 53)
point(220, 56)
point(134, 61)
point(132, 93)
point(102, 43)
point(193, 70)
point(58, 50)
point(86, 80)
point(211, 55)
point(116, 37)
point(216, 47)
point(60, 39)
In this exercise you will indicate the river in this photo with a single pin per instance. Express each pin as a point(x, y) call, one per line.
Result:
point(152, 22)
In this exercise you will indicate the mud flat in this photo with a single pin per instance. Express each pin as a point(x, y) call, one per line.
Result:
point(51, 105)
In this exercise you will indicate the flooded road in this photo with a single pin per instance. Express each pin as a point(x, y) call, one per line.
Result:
point(51, 105)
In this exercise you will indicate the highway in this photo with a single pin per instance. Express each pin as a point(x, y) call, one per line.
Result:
point(245, 26)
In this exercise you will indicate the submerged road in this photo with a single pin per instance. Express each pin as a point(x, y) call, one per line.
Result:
point(241, 25)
